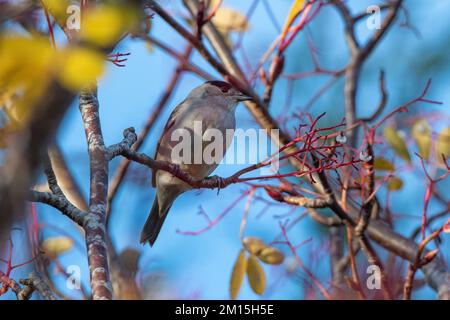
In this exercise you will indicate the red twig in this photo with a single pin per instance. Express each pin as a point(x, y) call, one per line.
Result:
point(118, 58)
point(428, 193)
point(213, 11)
point(316, 282)
point(212, 223)
point(404, 107)
point(419, 262)
point(5, 277)
point(49, 24)
point(304, 20)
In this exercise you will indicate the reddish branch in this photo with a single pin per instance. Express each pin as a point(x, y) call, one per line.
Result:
point(278, 61)
point(429, 190)
point(49, 24)
point(293, 249)
point(33, 283)
point(198, 45)
point(419, 262)
point(184, 63)
point(311, 143)
point(355, 281)
point(305, 18)
point(212, 223)
point(118, 59)
point(404, 107)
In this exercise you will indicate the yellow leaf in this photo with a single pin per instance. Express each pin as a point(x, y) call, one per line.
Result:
point(23, 58)
point(56, 246)
point(105, 24)
point(58, 9)
point(228, 19)
point(237, 276)
point(421, 133)
point(256, 275)
point(26, 62)
point(443, 144)
point(80, 68)
point(271, 255)
point(293, 12)
point(253, 245)
point(397, 143)
point(395, 184)
point(383, 164)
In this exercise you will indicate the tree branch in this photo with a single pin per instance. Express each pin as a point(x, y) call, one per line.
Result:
point(96, 232)
point(63, 205)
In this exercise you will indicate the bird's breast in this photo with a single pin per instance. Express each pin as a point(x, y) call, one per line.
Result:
point(199, 139)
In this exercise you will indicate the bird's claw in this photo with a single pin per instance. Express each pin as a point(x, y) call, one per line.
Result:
point(219, 181)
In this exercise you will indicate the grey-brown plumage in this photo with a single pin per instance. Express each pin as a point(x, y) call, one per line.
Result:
point(214, 104)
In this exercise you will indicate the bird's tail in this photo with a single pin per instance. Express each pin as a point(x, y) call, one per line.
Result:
point(153, 224)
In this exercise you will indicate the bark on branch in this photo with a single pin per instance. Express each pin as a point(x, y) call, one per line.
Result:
point(96, 230)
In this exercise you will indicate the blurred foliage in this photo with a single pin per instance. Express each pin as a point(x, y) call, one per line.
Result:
point(383, 164)
point(103, 25)
point(229, 20)
point(396, 141)
point(421, 133)
point(55, 246)
point(394, 184)
point(443, 144)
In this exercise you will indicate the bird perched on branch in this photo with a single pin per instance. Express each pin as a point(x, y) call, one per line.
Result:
point(209, 106)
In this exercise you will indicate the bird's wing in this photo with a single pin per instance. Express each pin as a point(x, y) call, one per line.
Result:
point(172, 119)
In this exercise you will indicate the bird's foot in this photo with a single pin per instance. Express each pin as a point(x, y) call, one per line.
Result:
point(217, 181)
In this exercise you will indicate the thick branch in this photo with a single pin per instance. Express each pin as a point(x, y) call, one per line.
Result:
point(96, 232)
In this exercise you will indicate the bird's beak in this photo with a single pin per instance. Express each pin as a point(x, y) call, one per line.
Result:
point(242, 97)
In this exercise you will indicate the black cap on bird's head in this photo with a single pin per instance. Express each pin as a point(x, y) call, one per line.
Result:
point(228, 90)
point(222, 85)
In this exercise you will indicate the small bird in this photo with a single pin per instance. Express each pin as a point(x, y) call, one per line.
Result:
point(213, 104)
